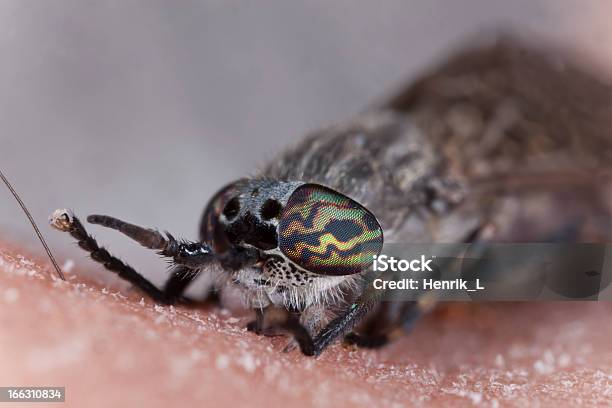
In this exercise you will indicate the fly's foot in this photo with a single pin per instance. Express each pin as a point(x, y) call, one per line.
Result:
point(62, 219)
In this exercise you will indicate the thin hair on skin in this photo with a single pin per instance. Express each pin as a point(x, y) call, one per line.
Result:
point(31, 219)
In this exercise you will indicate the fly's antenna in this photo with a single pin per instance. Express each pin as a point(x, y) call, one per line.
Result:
point(40, 236)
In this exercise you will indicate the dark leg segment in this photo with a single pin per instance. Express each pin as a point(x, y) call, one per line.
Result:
point(180, 278)
point(256, 326)
point(401, 319)
point(335, 329)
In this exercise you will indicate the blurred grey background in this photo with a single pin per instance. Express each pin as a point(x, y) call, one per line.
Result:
point(142, 109)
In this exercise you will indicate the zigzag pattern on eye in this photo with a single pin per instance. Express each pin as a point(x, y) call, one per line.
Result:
point(308, 232)
point(319, 243)
point(357, 258)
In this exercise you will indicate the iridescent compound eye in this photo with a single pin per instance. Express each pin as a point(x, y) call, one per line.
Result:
point(326, 232)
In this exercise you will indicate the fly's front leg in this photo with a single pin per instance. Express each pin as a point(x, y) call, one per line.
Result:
point(313, 332)
point(189, 254)
point(313, 319)
point(276, 321)
point(193, 255)
point(313, 345)
point(183, 274)
point(338, 327)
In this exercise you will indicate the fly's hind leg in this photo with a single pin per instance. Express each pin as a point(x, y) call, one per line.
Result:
point(278, 321)
point(313, 345)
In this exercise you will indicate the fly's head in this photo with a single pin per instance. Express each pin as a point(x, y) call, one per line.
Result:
point(312, 228)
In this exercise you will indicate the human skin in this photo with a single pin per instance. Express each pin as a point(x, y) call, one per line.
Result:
point(110, 347)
